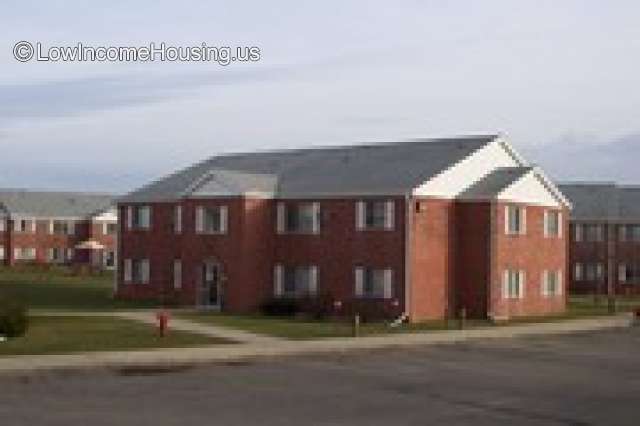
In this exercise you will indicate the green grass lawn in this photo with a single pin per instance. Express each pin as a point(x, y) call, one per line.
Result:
point(58, 288)
point(58, 335)
point(301, 329)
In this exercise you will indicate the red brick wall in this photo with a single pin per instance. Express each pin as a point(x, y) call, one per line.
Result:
point(432, 239)
point(251, 248)
point(532, 253)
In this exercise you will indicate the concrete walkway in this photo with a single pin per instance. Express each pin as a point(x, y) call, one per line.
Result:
point(277, 347)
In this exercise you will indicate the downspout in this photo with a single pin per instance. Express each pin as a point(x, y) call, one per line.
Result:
point(408, 254)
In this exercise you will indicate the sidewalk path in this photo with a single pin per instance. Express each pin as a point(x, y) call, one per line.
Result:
point(277, 347)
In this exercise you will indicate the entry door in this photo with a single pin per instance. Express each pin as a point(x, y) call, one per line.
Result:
point(210, 290)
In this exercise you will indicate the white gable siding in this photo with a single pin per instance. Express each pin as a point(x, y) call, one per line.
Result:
point(107, 216)
point(462, 175)
point(529, 190)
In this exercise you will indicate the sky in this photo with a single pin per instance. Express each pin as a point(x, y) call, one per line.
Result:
point(558, 78)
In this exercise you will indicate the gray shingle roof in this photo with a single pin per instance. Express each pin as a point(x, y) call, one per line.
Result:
point(495, 182)
point(383, 168)
point(53, 204)
point(603, 201)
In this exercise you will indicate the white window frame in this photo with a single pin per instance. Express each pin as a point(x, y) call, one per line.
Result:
point(578, 232)
point(25, 253)
point(282, 217)
point(29, 228)
point(547, 275)
point(177, 274)
point(3, 224)
point(2, 252)
point(362, 213)
point(387, 287)
point(510, 227)
point(311, 285)
point(548, 214)
point(578, 271)
point(177, 219)
point(221, 228)
point(623, 271)
point(517, 278)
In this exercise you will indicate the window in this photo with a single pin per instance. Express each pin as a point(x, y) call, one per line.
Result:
point(552, 223)
point(109, 259)
point(177, 219)
point(61, 227)
point(513, 284)
point(551, 283)
point(301, 218)
point(24, 225)
point(3, 224)
point(594, 271)
point(211, 219)
point(177, 274)
point(629, 233)
point(578, 272)
point(295, 281)
point(594, 233)
point(578, 232)
point(70, 255)
point(375, 214)
point(139, 217)
point(24, 253)
point(373, 283)
point(56, 255)
point(109, 228)
point(516, 220)
point(629, 273)
point(136, 271)
point(2, 255)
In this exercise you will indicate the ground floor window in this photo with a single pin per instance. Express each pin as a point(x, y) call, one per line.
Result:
point(56, 255)
point(295, 281)
point(629, 273)
point(24, 253)
point(513, 284)
point(1, 252)
point(109, 259)
point(551, 283)
point(136, 271)
point(374, 283)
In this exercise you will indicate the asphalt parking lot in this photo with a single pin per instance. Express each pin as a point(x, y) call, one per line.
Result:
point(584, 379)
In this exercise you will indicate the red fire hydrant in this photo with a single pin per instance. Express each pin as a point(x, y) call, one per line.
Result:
point(163, 322)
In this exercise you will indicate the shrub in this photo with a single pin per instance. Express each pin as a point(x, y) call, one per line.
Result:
point(13, 318)
point(284, 307)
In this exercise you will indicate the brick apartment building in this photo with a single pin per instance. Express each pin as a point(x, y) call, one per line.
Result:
point(421, 228)
point(57, 228)
point(605, 238)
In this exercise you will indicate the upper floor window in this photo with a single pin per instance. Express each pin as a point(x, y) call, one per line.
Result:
point(139, 217)
point(24, 225)
point(375, 214)
point(376, 283)
point(211, 219)
point(515, 220)
point(551, 283)
point(629, 233)
point(177, 219)
point(56, 255)
point(295, 281)
point(588, 232)
point(136, 271)
point(513, 284)
point(298, 218)
point(61, 227)
point(552, 223)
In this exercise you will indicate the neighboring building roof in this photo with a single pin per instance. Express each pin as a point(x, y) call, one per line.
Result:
point(53, 204)
point(603, 201)
point(495, 182)
point(382, 168)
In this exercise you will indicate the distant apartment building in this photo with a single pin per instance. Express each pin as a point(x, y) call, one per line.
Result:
point(422, 229)
point(57, 228)
point(605, 238)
